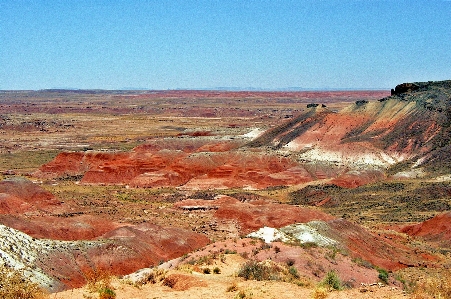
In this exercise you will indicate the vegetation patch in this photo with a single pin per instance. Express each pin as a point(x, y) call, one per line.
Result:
point(331, 281)
point(268, 270)
point(13, 285)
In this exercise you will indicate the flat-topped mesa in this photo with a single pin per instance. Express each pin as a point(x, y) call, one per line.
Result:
point(404, 87)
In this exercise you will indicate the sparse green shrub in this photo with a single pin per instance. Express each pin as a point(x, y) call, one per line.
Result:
point(106, 293)
point(307, 245)
point(361, 262)
point(383, 275)
point(241, 295)
point(331, 281)
point(293, 271)
point(253, 270)
point(216, 270)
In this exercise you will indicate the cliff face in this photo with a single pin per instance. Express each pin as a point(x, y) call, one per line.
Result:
point(413, 124)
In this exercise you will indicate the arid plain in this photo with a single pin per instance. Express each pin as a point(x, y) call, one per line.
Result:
point(355, 183)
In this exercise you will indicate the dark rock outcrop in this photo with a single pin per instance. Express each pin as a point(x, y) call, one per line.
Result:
point(404, 87)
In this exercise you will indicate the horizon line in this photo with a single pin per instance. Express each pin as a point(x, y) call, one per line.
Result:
point(231, 89)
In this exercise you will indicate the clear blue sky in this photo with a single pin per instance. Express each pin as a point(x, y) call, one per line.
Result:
point(162, 44)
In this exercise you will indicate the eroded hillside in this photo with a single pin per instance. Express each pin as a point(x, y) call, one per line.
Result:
point(119, 181)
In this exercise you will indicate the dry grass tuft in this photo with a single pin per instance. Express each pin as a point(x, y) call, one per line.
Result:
point(320, 293)
point(268, 270)
point(156, 276)
point(100, 282)
point(14, 285)
point(436, 286)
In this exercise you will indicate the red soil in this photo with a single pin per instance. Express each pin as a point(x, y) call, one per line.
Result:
point(254, 215)
point(125, 250)
point(20, 195)
point(122, 249)
point(376, 249)
point(379, 250)
point(68, 228)
point(353, 179)
point(148, 166)
point(436, 229)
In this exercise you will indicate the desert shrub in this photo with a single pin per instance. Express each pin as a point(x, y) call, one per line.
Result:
point(320, 293)
point(232, 288)
point(267, 270)
point(241, 295)
point(293, 271)
point(253, 270)
point(203, 260)
point(99, 281)
point(361, 262)
point(216, 270)
point(206, 270)
point(13, 285)
point(244, 254)
point(106, 293)
point(153, 277)
point(290, 262)
point(383, 275)
point(331, 281)
point(307, 245)
point(170, 281)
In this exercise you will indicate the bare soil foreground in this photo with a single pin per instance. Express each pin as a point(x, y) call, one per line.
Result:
point(216, 194)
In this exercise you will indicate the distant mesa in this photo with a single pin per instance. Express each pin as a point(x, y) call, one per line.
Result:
point(404, 87)
point(314, 105)
point(361, 102)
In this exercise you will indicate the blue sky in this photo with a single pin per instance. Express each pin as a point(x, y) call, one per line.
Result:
point(161, 44)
